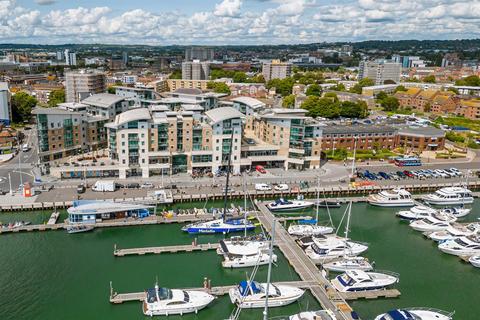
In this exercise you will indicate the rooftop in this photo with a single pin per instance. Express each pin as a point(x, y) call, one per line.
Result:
point(251, 102)
point(356, 129)
point(130, 115)
point(41, 110)
point(421, 131)
point(223, 113)
point(102, 100)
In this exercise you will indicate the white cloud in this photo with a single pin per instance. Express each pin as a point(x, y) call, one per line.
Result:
point(228, 8)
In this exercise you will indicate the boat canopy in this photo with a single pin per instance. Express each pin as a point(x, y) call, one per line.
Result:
point(400, 315)
point(307, 221)
point(245, 287)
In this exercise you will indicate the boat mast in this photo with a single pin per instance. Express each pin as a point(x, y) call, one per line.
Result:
point(318, 201)
point(228, 174)
point(245, 203)
point(269, 274)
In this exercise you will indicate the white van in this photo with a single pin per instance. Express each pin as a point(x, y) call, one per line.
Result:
point(104, 186)
point(262, 187)
point(25, 147)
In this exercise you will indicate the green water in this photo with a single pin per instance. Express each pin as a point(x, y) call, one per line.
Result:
point(53, 275)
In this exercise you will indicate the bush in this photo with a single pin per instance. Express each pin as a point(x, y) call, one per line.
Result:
point(454, 137)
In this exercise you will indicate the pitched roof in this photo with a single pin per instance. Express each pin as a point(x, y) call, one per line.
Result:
point(223, 113)
point(102, 99)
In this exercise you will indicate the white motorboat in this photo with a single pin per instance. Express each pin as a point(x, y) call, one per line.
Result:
point(416, 213)
point(242, 245)
point(288, 205)
point(251, 294)
point(464, 246)
point(164, 302)
point(348, 263)
point(391, 198)
point(475, 261)
point(436, 222)
point(308, 229)
point(450, 196)
point(456, 212)
point(307, 241)
point(333, 247)
point(454, 231)
point(243, 261)
point(415, 314)
point(219, 226)
point(358, 280)
point(314, 315)
point(79, 228)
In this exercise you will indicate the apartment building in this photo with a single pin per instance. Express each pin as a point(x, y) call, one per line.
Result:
point(469, 109)
point(83, 83)
point(195, 70)
point(430, 100)
point(199, 53)
point(175, 84)
point(5, 106)
point(380, 71)
point(147, 143)
point(276, 70)
point(418, 139)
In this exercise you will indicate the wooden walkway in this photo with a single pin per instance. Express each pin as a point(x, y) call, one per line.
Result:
point(387, 293)
point(53, 218)
point(165, 249)
point(117, 298)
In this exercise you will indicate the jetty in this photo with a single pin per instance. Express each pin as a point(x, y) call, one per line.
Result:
point(165, 249)
point(53, 218)
point(117, 298)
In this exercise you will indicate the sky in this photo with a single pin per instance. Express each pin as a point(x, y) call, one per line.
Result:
point(219, 22)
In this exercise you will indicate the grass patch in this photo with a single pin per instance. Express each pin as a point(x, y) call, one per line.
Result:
point(459, 122)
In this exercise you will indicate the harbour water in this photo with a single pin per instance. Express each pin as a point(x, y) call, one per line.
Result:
point(54, 275)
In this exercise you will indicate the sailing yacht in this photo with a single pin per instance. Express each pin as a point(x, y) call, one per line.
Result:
point(416, 213)
point(308, 229)
point(435, 222)
point(415, 314)
point(348, 263)
point(164, 301)
point(248, 260)
point(358, 280)
point(464, 246)
point(305, 242)
point(251, 294)
point(391, 198)
point(450, 196)
point(222, 225)
point(288, 205)
point(242, 245)
point(314, 315)
point(455, 231)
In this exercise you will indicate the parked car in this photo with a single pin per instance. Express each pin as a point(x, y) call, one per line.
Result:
point(81, 188)
point(281, 187)
point(260, 169)
point(360, 175)
point(262, 187)
point(401, 174)
point(384, 175)
point(394, 176)
point(132, 185)
point(146, 185)
point(408, 174)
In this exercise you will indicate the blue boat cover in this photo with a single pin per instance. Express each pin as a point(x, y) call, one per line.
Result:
point(244, 288)
point(309, 221)
point(400, 315)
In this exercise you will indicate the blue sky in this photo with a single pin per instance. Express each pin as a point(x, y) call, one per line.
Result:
point(164, 22)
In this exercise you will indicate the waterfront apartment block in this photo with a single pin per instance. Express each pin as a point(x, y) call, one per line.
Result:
point(380, 71)
point(276, 70)
point(83, 83)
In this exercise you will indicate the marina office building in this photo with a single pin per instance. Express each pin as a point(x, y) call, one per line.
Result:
point(188, 131)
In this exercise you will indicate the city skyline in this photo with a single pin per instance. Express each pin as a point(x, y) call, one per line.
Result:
point(217, 22)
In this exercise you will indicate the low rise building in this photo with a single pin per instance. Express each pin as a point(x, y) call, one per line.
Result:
point(175, 84)
point(418, 139)
point(469, 109)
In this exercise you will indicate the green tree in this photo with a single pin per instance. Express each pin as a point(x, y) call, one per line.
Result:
point(257, 79)
point(400, 88)
point(454, 137)
point(219, 87)
point(176, 74)
point(314, 90)
point(381, 95)
point(22, 105)
point(289, 101)
point(365, 82)
point(331, 95)
point(429, 79)
point(239, 77)
point(339, 87)
point(282, 86)
point(56, 97)
point(111, 89)
point(473, 81)
point(390, 104)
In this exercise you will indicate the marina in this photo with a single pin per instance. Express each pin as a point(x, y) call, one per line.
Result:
point(164, 249)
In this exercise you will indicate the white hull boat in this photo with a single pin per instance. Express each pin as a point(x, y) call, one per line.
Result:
point(416, 213)
point(351, 248)
point(308, 230)
point(358, 280)
point(348, 263)
point(436, 222)
point(455, 231)
point(415, 314)
point(450, 196)
point(164, 302)
point(288, 205)
point(391, 198)
point(314, 315)
point(307, 241)
point(261, 258)
point(475, 261)
point(456, 212)
point(242, 246)
point(464, 246)
point(251, 294)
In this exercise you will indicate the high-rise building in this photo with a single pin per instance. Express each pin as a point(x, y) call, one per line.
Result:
point(199, 53)
point(125, 57)
point(380, 71)
point(5, 107)
point(83, 83)
point(70, 58)
point(195, 70)
point(276, 70)
point(60, 56)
